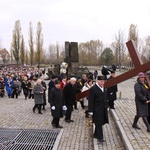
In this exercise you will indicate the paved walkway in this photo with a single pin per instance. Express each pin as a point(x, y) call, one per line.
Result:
point(111, 136)
point(17, 114)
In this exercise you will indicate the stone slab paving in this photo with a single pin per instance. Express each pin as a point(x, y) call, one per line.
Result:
point(125, 111)
point(111, 136)
point(17, 114)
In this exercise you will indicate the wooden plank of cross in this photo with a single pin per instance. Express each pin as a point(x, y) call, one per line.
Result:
point(138, 67)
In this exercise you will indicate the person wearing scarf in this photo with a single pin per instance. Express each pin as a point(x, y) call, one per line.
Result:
point(142, 98)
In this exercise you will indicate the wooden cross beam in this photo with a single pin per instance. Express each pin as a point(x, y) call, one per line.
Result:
point(138, 67)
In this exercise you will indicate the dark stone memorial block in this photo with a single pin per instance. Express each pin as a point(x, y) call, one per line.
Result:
point(67, 49)
point(74, 52)
point(72, 56)
point(68, 61)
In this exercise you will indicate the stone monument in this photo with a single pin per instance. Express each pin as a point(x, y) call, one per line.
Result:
point(72, 57)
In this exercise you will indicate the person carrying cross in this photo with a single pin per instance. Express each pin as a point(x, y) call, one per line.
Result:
point(97, 107)
point(142, 98)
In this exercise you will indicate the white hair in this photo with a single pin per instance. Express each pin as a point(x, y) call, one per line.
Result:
point(39, 81)
point(42, 78)
point(73, 79)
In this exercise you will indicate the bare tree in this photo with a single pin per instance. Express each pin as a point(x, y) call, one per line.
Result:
point(26, 57)
point(39, 44)
point(83, 60)
point(31, 44)
point(22, 51)
point(89, 52)
point(119, 48)
point(16, 41)
point(11, 55)
point(57, 52)
point(146, 50)
point(45, 56)
point(133, 34)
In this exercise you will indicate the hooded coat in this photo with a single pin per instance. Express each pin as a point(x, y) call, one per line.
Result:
point(141, 96)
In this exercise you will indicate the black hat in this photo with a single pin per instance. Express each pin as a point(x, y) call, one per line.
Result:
point(101, 78)
point(78, 77)
point(57, 81)
point(53, 77)
point(112, 71)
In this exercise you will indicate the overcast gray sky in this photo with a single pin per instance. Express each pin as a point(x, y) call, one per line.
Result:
point(74, 20)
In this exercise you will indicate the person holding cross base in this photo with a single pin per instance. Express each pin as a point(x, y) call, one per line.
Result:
point(112, 92)
point(142, 98)
point(57, 103)
point(98, 107)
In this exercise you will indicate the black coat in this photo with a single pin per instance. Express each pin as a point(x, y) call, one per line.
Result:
point(51, 85)
point(44, 94)
point(98, 105)
point(57, 100)
point(111, 91)
point(15, 88)
point(141, 96)
point(79, 86)
point(104, 71)
point(25, 87)
point(83, 81)
point(70, 94)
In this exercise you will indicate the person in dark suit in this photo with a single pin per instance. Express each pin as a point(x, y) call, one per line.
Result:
point(25, 87)
point(111, 92)
point(44, 90)
point(98, 107)
point(70, 97)
point(79, 87)
point(51, 85)
point(30, 88)
point(83, 79)
point(57, 103)
point(114, 67)
point(15, 88)
point(105, 71)
point(142, 98)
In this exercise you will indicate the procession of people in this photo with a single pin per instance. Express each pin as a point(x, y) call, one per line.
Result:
point(62, 91)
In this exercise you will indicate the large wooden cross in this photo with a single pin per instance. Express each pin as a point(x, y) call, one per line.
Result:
point(138, 67)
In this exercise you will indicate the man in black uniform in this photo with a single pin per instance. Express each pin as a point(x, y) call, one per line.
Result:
point(51, 85)
point(57, 103)
point(105, 71)
point(98, 107)
point(44, 90)
point(112, 92)
point(15, 88)
point(70, 97)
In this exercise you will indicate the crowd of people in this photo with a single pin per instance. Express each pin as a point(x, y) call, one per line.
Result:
point(62, 92)
point(14, 80)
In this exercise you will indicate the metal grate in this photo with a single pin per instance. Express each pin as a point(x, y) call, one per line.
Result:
point(11, 139)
